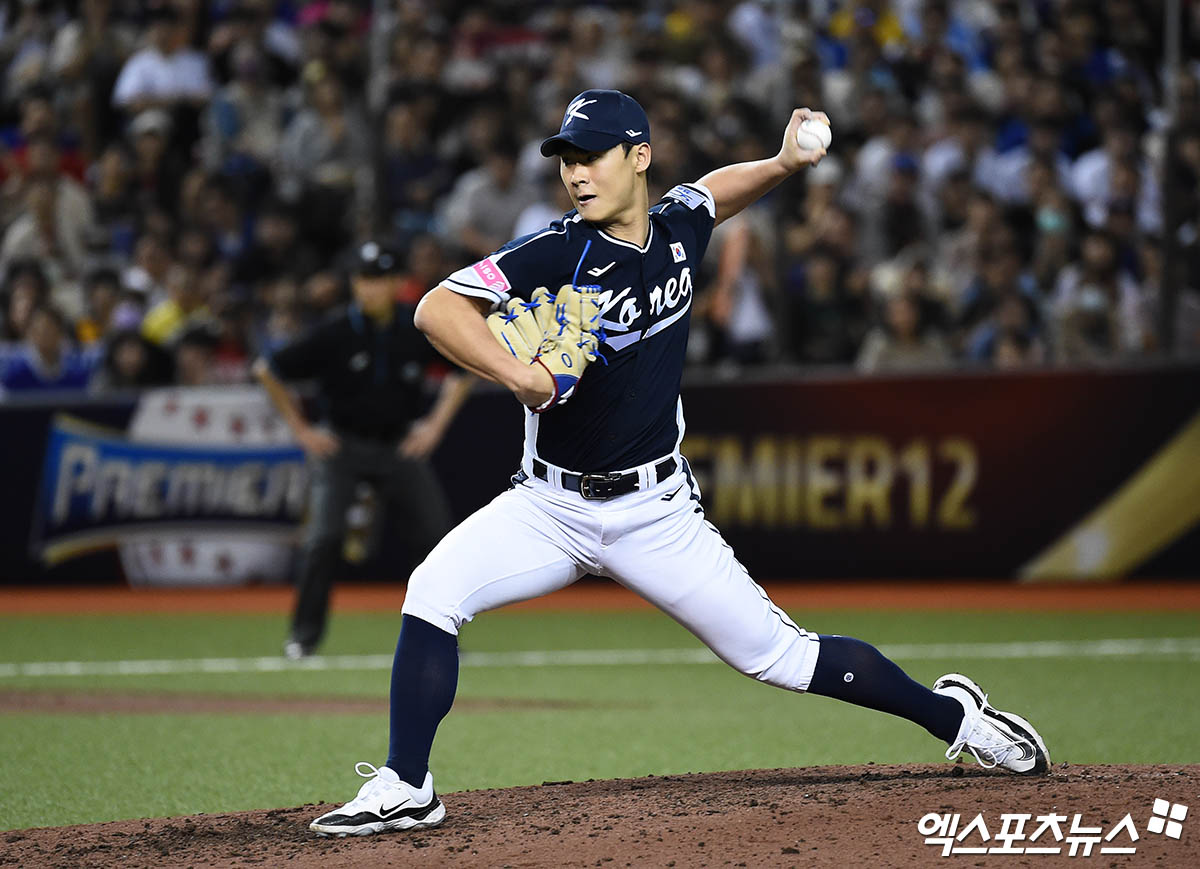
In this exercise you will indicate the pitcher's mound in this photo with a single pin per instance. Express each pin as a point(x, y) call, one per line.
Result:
point(819, 816)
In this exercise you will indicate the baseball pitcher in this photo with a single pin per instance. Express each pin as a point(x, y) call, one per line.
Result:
point(587, 322)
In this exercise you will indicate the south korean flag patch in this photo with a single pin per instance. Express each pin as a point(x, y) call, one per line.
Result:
point(677, 253)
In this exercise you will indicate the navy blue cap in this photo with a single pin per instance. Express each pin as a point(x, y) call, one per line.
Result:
point(597, 120)
point(374, 260)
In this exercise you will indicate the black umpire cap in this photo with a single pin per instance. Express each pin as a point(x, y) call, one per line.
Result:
point(597, 120)
point(375, 260)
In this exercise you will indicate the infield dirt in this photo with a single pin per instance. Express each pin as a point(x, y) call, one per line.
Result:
point(844, 816)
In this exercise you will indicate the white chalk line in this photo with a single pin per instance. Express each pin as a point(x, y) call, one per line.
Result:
point(1161, 647)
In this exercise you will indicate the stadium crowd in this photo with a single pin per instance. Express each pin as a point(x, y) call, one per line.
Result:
point(182, 183)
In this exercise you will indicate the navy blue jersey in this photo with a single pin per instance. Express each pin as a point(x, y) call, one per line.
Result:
point(626, 412)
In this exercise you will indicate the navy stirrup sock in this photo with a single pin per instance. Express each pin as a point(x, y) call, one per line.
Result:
point(424, 679)
point(854, 671)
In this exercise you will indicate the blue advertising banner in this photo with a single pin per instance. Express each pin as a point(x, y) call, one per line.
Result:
point(99, 488)
point(1039, 476)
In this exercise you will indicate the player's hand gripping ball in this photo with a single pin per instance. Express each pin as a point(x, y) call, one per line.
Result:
point(813, 135)
point(559, 331)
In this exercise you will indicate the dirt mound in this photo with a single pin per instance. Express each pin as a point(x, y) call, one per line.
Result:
point(819, 816)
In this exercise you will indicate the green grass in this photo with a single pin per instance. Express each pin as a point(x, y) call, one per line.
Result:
point(619, 721)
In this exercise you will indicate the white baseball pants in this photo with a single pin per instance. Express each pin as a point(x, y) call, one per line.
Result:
point(536, 538)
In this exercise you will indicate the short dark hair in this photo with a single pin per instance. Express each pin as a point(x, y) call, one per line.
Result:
point(102, 275)
point(53, 313)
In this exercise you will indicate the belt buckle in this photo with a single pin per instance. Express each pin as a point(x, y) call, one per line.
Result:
point(587, 480)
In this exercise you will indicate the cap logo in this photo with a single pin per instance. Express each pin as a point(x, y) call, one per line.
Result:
point(573, 110)
point(633, 132)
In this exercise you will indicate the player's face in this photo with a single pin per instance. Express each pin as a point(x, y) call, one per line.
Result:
point(603, 184)
point(374, 294)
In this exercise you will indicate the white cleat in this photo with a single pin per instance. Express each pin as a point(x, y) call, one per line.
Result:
point(384, 803)
point(993, 738)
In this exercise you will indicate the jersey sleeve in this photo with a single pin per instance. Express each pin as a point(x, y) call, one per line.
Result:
point(517, 269)
point(693, 206)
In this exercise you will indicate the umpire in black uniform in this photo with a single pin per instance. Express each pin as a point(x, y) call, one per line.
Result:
point(370, 363)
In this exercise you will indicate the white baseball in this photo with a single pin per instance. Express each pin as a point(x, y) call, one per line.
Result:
point(813, 135)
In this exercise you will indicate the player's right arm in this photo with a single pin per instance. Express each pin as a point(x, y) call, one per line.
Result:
point(315, 441)
point(299, 360)
point(455, 325)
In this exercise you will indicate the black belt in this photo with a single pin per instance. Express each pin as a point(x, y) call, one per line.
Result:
point(601, 487)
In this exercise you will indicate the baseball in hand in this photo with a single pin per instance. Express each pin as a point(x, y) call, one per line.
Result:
point(813, 135)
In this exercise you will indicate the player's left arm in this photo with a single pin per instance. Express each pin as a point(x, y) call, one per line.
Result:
point(739, 184)
point(427, 432)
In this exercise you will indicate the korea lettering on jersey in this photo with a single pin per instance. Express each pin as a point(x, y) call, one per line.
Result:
point(626, 411)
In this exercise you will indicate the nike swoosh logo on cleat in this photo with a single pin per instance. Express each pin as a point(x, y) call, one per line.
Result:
point(399, 810)
point(1021, 739)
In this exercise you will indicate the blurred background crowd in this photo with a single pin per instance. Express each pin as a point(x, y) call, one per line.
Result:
point(181, 182)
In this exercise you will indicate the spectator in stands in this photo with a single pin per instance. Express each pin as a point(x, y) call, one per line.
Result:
point(244, 122)
point(324, 160)
point(1100, 312)
point(25, 288)
point(413, 174)
point(323, 291)
point(195, 355)
point(1055, 224)
point(46, 359)
point(966, 147)
point(1094, 174)
point(102, 291)
point(822, 310)
point(485, 203)
point(425, 267)
point(114, 198)
point(185, 304)
point(131, 362)
point(1009, 178)
point(1015, 319)
point(998, 276)
point(157, 173)
point(1014, 349)
point(283, 324)
point(45, 233)
point(165, 74)
point(902, 342)
point(37, 122)
point(151, 267)
point(957, 253)
point(233, 328)
point(738, 303)
point(892, 134)
point(194, 248)
point(896, 225)
point(253, 22)
point(275, 250)
point(222, 218)
point(550, 206)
